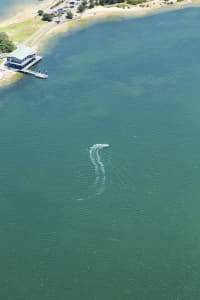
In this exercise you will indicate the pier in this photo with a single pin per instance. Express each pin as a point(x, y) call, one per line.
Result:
point(34, 73)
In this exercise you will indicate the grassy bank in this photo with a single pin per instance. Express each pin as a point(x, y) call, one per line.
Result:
point(19, 32)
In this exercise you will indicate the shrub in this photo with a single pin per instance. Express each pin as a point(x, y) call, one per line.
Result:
point(47, 17)
point(69, 15)
point(6, 45)
point(81, 8)
point(135, 2)
point(40, 12)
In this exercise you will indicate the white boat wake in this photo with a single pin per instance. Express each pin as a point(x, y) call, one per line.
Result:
point(100, 174)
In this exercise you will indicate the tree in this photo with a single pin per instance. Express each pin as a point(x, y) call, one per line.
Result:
point(47, 17)
point(69, 14)
point(82, 7)
point(6, 45)
point(104, 2)
point(135, 2)
point(40, 12)
point(91, 4)
point(84, 2)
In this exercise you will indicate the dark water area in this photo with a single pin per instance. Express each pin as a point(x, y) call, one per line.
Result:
point(135, 85)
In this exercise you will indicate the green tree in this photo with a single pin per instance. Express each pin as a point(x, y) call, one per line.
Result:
point(82, 7)
point(91, 4)
point(47, 17)
point(84, 2)
point(40, 12)
point(6, 45)
point(135, 2)
point(69, 14)
point(104, 2)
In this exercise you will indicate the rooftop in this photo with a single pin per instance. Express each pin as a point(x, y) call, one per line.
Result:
point(22, 52)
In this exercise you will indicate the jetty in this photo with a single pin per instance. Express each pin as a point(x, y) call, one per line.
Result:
point(34, 73)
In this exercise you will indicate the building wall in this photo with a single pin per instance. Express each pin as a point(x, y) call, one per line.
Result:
point(17, 61)
point(11, 64)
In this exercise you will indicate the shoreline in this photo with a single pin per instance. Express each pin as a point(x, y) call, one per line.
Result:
point(97, 14)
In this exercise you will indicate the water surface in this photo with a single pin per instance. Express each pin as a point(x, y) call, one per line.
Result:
point(135, 85)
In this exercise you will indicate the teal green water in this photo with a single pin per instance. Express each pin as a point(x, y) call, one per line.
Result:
point(135, 85)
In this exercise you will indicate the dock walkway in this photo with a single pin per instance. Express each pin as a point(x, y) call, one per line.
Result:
point(36, 74)
point(27, 70)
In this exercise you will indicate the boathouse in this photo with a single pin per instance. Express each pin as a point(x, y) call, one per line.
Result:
point(23, 57)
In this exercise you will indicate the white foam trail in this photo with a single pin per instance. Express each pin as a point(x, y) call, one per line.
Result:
point(100, 174)
point(94, 162)
point(102, 171)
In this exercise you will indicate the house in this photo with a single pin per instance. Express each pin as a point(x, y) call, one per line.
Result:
point(22, 57)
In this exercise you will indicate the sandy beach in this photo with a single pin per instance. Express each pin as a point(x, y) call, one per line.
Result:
point(98, 13)
point(28, 11)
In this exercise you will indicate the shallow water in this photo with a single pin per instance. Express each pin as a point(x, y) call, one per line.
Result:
point(135, 85)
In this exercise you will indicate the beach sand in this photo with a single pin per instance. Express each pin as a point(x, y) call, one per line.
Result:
point(23, 12)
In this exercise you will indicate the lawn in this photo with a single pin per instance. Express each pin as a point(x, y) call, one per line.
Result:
point(19, 32)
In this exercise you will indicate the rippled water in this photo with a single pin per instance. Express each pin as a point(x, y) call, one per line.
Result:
point(135, 85)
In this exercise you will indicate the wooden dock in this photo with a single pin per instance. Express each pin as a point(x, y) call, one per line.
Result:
point(36, 74)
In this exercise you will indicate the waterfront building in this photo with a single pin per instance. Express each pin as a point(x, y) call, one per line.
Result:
point(23, 57)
